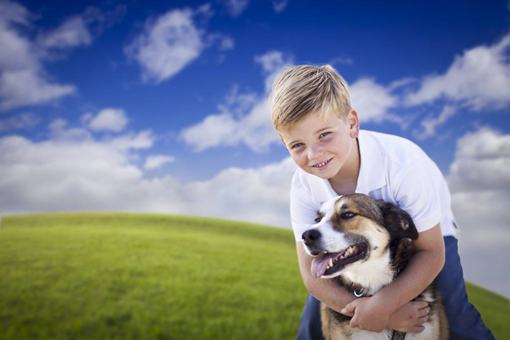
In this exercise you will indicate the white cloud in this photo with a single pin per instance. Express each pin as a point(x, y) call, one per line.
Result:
point(479, 79)
point(482, 160)
point(271, 61)
point(243, 119)
point(71, 33)
point(21, 121)
point(59, 131)
point(157, 161)
point(372, 101)
point(236, 7)
point(109, 119)
point(24, 80)
point(90, 174)
point(258, 195)
point(280, 5)
point(132, 141)
point(167, 45)
point(174, 40)
point(480, 185)
point(28, 86)
point(431, 124)
point(341, 61)
point(226, 43)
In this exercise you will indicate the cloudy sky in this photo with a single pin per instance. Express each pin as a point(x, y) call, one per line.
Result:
point(130, 106)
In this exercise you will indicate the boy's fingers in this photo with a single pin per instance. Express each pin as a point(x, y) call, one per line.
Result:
point(421, 304)
point(347, 312)
point(423, 319)
point(349, 309)
point(424, 312)
point(415, 329)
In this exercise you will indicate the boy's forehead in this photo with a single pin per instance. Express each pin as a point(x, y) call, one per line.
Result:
point(310, 124)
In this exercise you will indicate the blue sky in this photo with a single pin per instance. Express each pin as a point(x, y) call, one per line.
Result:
point(163, 107)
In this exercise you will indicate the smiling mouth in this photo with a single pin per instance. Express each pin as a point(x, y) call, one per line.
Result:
point(322, 164)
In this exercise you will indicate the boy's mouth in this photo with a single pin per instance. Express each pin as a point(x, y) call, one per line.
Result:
point(322, 164)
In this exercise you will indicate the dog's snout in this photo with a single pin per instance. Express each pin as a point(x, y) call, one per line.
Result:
point(311, 236)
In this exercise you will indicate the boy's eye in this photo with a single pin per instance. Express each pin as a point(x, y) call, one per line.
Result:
point(324, 134)
point(295, 146)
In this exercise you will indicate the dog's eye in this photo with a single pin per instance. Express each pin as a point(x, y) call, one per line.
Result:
point(346, 215)
point(319, 216)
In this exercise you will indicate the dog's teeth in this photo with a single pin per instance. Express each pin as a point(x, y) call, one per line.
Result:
point(349, 251)
point(330, 264)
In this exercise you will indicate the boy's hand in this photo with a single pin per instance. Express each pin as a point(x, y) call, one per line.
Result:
point(368, 313)
point(410, 317)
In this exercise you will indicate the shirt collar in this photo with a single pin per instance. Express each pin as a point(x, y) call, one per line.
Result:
point(372, 173)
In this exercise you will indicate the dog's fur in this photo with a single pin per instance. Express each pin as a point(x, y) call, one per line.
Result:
point(375, 241)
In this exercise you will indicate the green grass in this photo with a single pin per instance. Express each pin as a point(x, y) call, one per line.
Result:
point(139, 276)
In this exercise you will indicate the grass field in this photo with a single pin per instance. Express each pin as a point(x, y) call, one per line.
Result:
point(139, 276)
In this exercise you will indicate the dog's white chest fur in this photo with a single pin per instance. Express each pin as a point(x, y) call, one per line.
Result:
point(372, 275)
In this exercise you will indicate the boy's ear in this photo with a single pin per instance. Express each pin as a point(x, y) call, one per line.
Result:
point(353, 121)
point(397, 221)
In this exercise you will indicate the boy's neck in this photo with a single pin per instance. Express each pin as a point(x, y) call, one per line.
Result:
point(345, 181)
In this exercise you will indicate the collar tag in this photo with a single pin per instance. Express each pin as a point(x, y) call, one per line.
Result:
point(358, 292)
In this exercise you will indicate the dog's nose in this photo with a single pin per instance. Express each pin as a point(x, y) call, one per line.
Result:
point(311, 236)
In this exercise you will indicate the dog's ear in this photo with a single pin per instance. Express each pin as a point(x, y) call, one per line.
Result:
point(397, 221)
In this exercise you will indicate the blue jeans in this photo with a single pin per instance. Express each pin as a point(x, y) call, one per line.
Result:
point(464, 320)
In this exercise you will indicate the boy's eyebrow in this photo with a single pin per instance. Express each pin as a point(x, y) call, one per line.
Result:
point(316, 132)
point(324, 128)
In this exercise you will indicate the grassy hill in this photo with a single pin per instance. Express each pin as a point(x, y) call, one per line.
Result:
point(139, 276)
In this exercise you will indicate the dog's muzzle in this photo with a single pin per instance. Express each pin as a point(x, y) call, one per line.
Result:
point(312, 239)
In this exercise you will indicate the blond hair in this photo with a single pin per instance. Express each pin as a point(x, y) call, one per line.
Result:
point(304, 89)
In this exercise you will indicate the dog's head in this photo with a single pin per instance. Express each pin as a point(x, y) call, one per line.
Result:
point(354, 228)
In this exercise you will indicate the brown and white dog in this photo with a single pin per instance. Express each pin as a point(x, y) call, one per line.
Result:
point(363, 244)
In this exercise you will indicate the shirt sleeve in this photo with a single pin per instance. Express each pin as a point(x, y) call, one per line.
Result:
point(418, 194)
point(302, 209)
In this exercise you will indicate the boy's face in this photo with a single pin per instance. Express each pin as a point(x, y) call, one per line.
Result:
point(322, 147)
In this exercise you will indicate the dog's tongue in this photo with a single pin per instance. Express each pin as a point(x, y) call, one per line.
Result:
point(320, 264)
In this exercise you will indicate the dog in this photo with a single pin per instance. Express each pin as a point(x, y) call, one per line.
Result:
point(363, 244)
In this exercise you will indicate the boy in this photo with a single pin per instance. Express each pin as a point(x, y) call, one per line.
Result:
point(312, 114)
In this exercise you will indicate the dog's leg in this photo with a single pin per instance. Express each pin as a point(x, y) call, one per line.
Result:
point(326, 322)
point(444, 332)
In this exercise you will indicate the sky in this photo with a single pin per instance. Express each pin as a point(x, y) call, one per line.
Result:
point(164, 106)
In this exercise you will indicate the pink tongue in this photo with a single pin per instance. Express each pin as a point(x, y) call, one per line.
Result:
point(320, 264)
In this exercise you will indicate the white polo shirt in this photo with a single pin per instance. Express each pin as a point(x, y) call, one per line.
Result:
point(393, 169)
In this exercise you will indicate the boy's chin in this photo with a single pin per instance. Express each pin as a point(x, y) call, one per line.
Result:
point(323, 174)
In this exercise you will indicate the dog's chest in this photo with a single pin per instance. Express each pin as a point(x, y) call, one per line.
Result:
point(372, 275)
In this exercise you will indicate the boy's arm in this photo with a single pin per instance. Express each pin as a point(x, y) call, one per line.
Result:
point(373, 313)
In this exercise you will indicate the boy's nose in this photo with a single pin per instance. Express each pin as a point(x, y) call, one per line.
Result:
point(314, 151)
